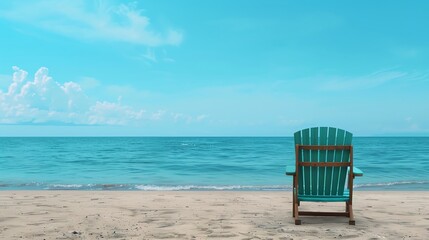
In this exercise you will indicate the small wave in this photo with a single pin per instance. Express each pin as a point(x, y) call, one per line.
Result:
point(212, 188)
point(66, 186)
point(389, 184)
point(88, 187)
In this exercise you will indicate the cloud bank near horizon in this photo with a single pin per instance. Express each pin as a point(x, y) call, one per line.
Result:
point(43, 100)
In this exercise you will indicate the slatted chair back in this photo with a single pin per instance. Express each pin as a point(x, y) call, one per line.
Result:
point(323, 156)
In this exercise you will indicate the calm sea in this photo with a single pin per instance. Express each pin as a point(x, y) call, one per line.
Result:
point(195, 163)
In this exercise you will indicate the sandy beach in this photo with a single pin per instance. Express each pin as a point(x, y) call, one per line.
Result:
point(204, 215)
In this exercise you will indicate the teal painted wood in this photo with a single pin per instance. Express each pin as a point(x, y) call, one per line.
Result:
point(324, 198)
point(338, 157)
point(322, 183)
point(306, 158)
point(330, 158)
point(290, 170)
point(345, 158)
point(298, 140)
point(323, 141)
point(314, 157)
point(357, 172)
point(343, 198)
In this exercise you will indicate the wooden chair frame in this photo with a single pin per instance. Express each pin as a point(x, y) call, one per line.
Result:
point(349, 203)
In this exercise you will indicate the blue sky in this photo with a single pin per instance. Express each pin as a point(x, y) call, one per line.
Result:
point(213, 68)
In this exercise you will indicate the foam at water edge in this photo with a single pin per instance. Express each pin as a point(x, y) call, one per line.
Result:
point(142, 187)
point(389, 184)
point(66, 186)
point(212, 188)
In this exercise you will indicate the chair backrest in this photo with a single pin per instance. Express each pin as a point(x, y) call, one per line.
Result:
point(323, 156)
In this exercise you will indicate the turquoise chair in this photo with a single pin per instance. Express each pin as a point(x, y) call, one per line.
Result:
point(324, 160)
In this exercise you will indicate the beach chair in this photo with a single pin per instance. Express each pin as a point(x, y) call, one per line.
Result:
point(323, 166)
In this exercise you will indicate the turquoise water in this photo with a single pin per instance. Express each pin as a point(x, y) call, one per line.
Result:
point(195, 163)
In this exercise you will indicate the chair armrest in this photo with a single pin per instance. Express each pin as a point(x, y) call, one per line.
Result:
point(290, 170)
point(357, 172)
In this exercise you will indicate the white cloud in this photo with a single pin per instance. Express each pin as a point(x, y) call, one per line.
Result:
point(200, 118)
point(180, 117)
point(95, 20)
point(158, 115)
point(153, 57)
point(45, 101)
point(108, 113)
point(166, 58)
point(150, 55)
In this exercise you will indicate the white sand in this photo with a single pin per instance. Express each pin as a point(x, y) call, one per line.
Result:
point(205, 215)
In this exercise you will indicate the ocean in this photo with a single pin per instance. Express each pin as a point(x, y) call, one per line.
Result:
point(195, 163)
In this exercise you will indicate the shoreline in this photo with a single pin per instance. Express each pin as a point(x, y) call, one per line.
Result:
point(97, 214)
point(407, 185)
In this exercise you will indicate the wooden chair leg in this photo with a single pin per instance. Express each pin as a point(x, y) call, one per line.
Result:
point(295, 208)
point(351, 218)
point(293, 196)
point(296, 213)
point(293, 204)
